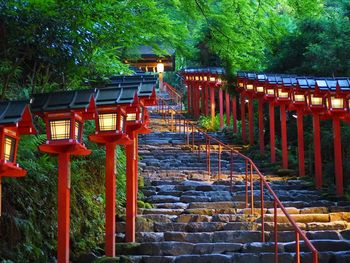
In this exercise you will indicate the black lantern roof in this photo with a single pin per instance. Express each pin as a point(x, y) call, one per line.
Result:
point(241, 74)
point(11, 112)
point(143, 89)
point(261, 77)
point(271, 79)
point(251, 75)
point(289, 81)
point(343, 84)
point(64, 100)
point(115, 95)
point(322, 84)
point(306, 83)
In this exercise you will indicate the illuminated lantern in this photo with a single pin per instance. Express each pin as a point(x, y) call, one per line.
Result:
point(64, 114)
point(15, 120)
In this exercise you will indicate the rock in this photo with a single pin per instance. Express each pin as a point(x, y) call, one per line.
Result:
point(321, 245)
point(336, 225)
point(177, 205)
point(301, 218)
point(341, 216)
point(186, 218)
point(201, 237)
point(163, 199)
point(161, 211)
point(192, 198)
point(314, 210)
point(159, 259)
point(345, 234)
point(204, 259)
point(240, 226)
point(290, 210)
point(247, 258)
point(208, 205)
point(159, 218)
point(200, 211)
point(237, 236)
point(258, 247)
point(327, 234)
point(167, 248)
point(143, 237)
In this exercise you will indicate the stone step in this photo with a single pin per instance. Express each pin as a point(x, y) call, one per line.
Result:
point(266, 257)
point(173, 248)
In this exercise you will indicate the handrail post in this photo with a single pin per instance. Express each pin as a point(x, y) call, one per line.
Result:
point(199, 146)
point(262, 201)
point(297, 247)
point(251, 189)
point(208, 156)
point(231, 171)
point(219, 162)
point(246, 184)
point(192, 137)
point(188, 134)
point(275, 229)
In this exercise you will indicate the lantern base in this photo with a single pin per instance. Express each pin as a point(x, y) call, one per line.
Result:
point(110, 138)
point(73, 148)
point(11, 170)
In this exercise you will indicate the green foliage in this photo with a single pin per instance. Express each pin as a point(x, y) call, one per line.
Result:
point(29, 221)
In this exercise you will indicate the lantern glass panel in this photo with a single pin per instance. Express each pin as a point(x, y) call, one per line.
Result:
point(241, 84)
point(60, 129)
point(107, 121)
point(260, 89)
point(316, 101)
point(197, 78)
point(282, 94)
point(78, 128)
point(9, 149)
point(131, 117)
point(270, 92)
point(219, 80)
point(337, 103)
point(299, 98)
point(205, 78)
point(212, 79)
point(250, 87)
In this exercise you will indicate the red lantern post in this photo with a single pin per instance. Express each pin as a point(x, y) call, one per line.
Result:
point(259, 93)
point(64, 114)
point(337, 105)
point(110, 131)
point(316, 103)
point(270, 97)
point(241, 80)
point(283, 98)
point(249, 92)
point(15, 120)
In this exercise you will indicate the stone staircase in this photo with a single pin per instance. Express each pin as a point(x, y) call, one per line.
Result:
point(196, 218)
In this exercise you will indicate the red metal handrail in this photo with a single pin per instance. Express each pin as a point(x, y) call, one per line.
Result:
point(249, 181)
point(174, 94)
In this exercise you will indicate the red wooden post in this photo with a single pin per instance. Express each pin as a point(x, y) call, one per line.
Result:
point(317, 150)
point(221, 106)
point(272, 131)
point(228, 115)
point(251, 120)
point(63, 207)
point(284, 136)
point(212, 105)
point(110, 200)
point(244, 134)
point(338, 157)
point(202, 100)
point(301, 142)
point(206, 108)
point(130, 190)
point(261, 124)
point(189, 99)
point(234, 114)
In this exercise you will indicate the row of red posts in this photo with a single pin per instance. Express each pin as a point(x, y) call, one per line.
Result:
point(120, 114)
point(323, 98)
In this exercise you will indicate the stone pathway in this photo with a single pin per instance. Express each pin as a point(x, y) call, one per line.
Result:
point(197, 219)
